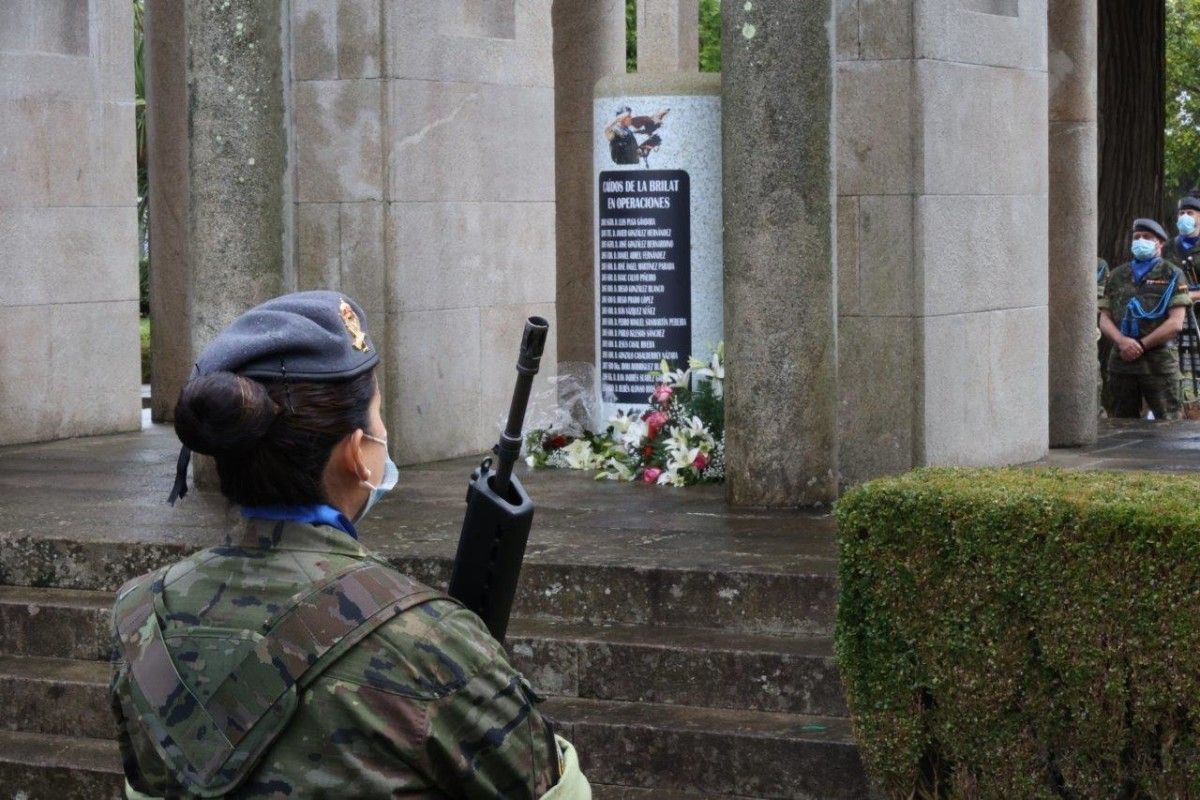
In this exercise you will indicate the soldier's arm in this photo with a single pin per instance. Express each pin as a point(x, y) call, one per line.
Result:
point(1168, 330)
point(144, 770)
point(487, 739)
point(435, 692)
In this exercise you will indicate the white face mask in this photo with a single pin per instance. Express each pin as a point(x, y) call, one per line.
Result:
point(391, 474)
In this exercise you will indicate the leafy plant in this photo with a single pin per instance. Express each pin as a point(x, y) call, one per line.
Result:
point(1023, 633)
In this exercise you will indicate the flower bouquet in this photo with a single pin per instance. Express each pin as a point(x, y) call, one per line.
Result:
point(679, 440)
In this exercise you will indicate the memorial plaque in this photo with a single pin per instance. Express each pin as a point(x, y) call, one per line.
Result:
point(645, 280)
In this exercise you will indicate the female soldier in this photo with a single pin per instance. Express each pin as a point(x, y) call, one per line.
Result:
point(291, 661)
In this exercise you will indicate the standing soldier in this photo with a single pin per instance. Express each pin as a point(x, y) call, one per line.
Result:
point(1184, 250)
point(291, 661)
point(1141, 312)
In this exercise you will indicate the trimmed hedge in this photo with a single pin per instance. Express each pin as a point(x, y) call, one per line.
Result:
point(1023, 633)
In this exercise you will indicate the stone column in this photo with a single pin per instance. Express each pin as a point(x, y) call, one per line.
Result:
point(167, 164)
point(1073, 220)
point(780, 261)
point(589, 44)
point(237, 155)
point(668, 35)
point(237, 158)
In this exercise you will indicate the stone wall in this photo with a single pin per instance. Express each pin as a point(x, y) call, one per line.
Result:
point(68, 224)
point(424, 187)
point(942, 233)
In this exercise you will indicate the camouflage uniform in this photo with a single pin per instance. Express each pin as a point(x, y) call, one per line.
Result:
point(1189, 338)
point(425, 706)
point(1155, 375)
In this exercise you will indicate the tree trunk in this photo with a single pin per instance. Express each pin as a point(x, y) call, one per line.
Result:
point(1132, 94)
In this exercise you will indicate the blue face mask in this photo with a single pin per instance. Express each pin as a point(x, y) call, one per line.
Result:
point(391, 474)
point(1143, 249)
point(1186, 225)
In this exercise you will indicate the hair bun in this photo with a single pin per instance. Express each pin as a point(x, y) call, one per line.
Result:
point(223, 414)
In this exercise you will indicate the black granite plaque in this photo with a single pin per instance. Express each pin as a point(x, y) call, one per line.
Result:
point(645, 279)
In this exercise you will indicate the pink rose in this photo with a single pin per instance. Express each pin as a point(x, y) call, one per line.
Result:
point(662, 394)
point(650, 474)
point(655, 421)
point(700, 462)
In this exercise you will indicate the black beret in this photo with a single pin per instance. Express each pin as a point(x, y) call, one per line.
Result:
point(312, 336)
point(1190, 202)
point(1150, 226)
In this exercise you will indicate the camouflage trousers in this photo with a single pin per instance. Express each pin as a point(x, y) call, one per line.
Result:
point(1160, 392)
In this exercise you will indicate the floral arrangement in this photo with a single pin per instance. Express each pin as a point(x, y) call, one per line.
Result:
point(679, 440)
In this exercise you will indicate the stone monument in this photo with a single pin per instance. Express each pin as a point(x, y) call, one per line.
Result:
point(657, 169)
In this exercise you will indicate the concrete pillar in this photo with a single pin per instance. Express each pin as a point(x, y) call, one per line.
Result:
point(942, 234)
point(668, 35)
point(68, 224)
point(1073, 221)
point(237, 159)
point(780, 262)
point(589, 44)
point(167, 164)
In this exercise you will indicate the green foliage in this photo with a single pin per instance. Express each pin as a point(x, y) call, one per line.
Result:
point(710, 35)
point(1023, 633)
point(631, 35)
point(1183, 97)
point(144, 328)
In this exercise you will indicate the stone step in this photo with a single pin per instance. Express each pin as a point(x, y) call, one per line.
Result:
point(713, 752)
point(714, 669)
point(55, 696)
point(91, 513)
point(708, 669)
point(799, 601)
point(39, 766)
point(634, 745)
point(57, 623)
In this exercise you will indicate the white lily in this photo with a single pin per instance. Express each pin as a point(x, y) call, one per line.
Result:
point(676, 379)
point(634, 434)
point(621, 421)
point(714, 370)
point(580, 455)
point(695, 427)
point(617, 470)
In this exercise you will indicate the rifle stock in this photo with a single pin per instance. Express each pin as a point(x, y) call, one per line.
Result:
point(499, 513)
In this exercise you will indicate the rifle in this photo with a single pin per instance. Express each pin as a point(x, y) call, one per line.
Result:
point(499, 511)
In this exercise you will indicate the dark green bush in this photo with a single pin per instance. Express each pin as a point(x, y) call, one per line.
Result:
point(1024, 633)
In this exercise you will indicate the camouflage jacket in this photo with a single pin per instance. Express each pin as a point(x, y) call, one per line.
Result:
point(425, 706)
point(1119, 289)
point(1188, 260)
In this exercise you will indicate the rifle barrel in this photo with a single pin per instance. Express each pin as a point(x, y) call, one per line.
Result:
point(533, 343)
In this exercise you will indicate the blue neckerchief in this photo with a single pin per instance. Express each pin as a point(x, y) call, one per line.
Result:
point(1135, 312)
point(1184, 243)
point(319, 514)
point(1142, 268)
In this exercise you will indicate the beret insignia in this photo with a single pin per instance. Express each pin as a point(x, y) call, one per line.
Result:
point(353, 327)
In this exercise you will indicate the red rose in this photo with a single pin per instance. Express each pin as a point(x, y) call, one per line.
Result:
point(557, 443)
point(700, 462)
point(655, 421)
